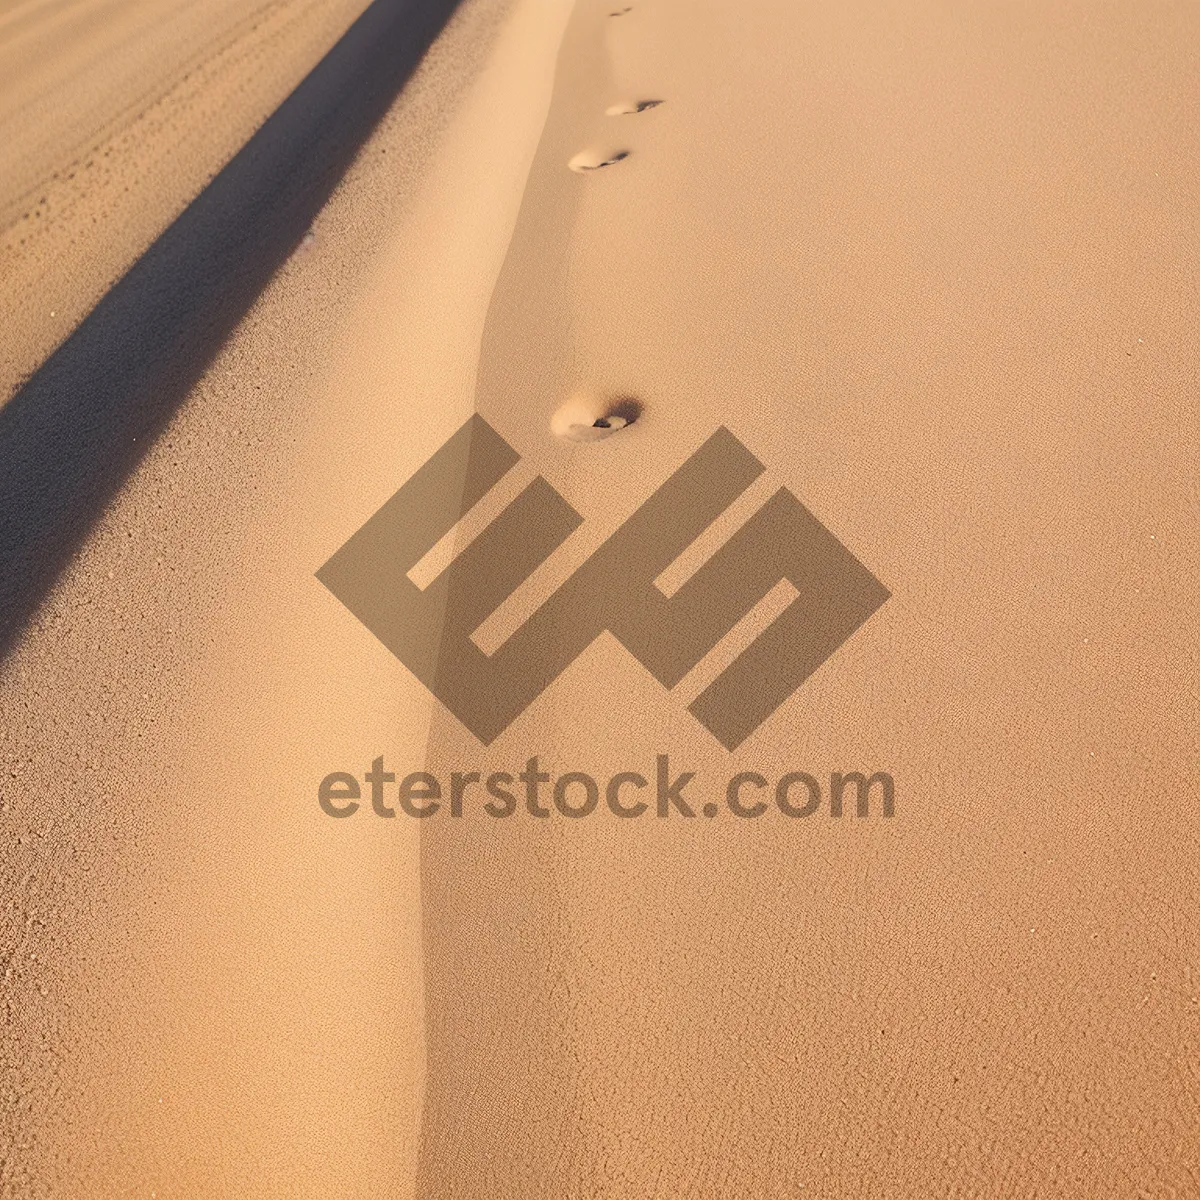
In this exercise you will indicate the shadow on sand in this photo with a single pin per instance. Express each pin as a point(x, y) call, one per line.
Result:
point(77, 428)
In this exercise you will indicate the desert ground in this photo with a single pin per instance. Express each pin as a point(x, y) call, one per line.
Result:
point(933, 266)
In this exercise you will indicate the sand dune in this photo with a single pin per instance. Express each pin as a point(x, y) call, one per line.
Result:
point(933, 268)
point(906, 255)
point(206, 997)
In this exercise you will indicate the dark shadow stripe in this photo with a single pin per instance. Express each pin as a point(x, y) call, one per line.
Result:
point(74, 432)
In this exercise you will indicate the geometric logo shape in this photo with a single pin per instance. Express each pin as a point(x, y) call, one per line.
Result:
point(429, 629)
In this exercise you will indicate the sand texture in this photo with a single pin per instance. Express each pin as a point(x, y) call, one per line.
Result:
point(934, 267)
point(113, 116)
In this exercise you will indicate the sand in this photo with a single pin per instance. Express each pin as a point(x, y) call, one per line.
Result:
point(113, 116)
point(936, 270)
point(208, 996)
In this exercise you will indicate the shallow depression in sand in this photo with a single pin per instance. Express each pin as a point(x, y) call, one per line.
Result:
point(588, 417)
point(593, 159)
point(625, 108)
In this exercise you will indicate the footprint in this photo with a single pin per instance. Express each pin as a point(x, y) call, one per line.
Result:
point(628, 107)
point(593, 160)
point(591, 418)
